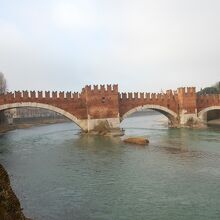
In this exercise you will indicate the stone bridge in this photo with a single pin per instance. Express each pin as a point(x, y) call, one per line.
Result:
point(98, 104)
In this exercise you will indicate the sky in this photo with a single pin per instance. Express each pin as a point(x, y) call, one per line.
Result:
point(142, 45)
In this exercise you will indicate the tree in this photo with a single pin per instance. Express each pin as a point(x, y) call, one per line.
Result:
point(3, 84)
point(3, 88)
point(217, 86)
point(215, 89)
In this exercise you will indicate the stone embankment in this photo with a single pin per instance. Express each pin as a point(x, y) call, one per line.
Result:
point(6, 128)
point(10, 208)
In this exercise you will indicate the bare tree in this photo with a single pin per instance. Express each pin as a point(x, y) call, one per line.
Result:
point(3, 88)
point(3, 84)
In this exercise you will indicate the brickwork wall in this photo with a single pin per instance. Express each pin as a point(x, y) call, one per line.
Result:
point(187, 100)
point(128, 101)
point(106, 102)
point(73, 103)
point(102, 101)
point(205, 101)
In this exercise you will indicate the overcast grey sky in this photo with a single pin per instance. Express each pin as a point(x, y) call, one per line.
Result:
point(143, 45)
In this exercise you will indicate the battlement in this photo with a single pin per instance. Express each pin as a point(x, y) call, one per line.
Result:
point(96, 89)
point(146, 96)
point(29, 95)
point(186, 91)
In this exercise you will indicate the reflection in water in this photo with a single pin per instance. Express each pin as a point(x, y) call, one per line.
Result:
point(60, 174)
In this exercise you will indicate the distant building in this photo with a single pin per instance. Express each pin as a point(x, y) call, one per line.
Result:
point(30, 112)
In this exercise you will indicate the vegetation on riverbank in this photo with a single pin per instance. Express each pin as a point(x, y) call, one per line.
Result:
point(10, 208)
point(3, 89)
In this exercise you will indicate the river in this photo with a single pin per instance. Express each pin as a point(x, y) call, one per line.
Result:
point(60, 175)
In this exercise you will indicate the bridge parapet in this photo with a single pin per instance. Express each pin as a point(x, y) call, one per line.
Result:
point(40, 94)
point(101, 101)
point(97, 89)
point(186, 91)
point(73, 103)
point(32, 95)
point(25, 94)
point(136, 96)
point(54, 95)
point(135, 100)
point(18, 94)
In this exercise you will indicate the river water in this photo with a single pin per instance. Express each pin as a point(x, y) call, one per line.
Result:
point(59, 174)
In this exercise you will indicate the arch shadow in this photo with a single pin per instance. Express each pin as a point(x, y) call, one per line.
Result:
point(202, 115)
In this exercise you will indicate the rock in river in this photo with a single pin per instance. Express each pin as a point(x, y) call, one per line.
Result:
point(137, 140)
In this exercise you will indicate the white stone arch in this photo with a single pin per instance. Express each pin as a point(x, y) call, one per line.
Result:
point(202, 115)
point(171, 115)
point(81, 123)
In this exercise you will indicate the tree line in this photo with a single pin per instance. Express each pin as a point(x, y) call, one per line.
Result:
point(214, 89)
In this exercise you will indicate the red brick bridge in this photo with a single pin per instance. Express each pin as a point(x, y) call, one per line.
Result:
point(98, 104)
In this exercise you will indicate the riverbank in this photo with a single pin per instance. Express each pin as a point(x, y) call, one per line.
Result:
point(6, 128)
point(21, 125)
point(10, 208)
point(39, 123)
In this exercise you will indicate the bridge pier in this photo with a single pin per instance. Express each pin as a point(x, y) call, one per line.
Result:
point(103, 124)
point(187, 107)
point(102, 108)
point(189, 120)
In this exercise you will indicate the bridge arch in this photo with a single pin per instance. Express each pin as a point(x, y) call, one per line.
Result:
point(203, 113)
point(81, 123)
point(171, 115)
